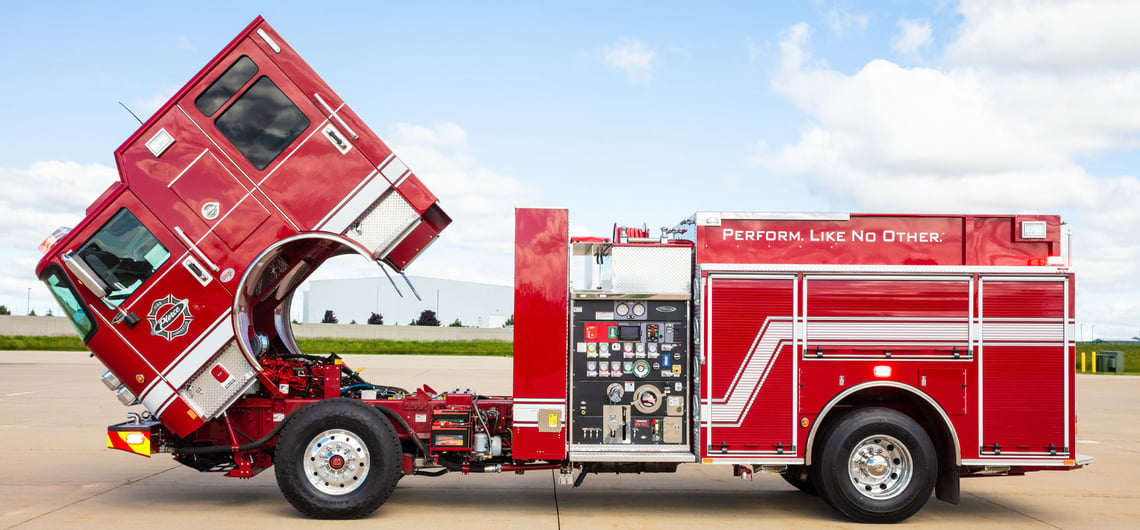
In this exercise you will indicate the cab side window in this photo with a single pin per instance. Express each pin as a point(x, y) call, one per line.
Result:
point(124, 254)
point(224, 88)
point(262, 122)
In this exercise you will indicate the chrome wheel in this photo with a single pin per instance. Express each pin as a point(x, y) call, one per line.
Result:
point(880, 467)
point(336, 462)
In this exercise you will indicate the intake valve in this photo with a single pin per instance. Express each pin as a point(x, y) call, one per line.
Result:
point(615, 392)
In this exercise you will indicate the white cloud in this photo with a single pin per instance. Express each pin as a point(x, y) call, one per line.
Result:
point(913, 36)
point(479, 200)
point(1085, 35)
point(36, 201)
point(842, 21)
point(971, 137)
point(633, 57)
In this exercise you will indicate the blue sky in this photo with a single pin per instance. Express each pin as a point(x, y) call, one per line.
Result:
point(634, 112)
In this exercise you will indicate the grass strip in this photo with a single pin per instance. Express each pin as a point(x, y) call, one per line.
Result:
point(313, 346)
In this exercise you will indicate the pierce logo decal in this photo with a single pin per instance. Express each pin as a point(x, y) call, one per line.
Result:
point(169, 317)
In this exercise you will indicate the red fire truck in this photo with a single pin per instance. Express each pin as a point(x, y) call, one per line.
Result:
point(869, 359)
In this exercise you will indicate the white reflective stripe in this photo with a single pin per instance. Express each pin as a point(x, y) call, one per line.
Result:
point(155, 400)
point(373, 188)
point(1023, 331)
point(199, 354)
point(527, 413)
point(889, 331)
point(394, 170)
point(1047, 273)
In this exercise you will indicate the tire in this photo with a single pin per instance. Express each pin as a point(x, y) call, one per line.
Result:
point(876, 465)
point(800, 478)
point(338, 459)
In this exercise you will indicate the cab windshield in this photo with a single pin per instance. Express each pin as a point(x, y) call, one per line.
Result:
point(73, 308)
point(124, 254)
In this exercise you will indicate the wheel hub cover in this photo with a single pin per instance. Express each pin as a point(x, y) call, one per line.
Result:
point(336, 461)
point(880, 467)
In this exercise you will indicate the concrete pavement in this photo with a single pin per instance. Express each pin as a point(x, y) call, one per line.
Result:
point(56, 471)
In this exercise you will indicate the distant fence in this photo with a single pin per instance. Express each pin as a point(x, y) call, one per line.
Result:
point(60, 327)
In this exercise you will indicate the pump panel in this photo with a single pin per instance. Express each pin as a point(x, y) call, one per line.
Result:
point(630, 380)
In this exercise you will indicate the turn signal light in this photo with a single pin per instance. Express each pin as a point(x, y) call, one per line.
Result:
point(882, 371)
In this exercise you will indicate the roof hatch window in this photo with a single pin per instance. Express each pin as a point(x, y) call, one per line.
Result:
point(262, 122)
point(224, 87)
point(124, 254)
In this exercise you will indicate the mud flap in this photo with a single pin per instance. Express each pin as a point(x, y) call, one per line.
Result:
point(947, 488)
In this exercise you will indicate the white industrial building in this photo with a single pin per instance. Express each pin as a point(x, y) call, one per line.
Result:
point(474, 304)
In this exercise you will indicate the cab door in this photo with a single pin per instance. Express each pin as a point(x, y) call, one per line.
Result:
point(183, 310)
point(274, 138)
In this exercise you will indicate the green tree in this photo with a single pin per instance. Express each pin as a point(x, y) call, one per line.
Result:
point(427, 318)
point(330, 317)
point(376, 319)
point(455, 324)
point(510, 321)
point(4, 310)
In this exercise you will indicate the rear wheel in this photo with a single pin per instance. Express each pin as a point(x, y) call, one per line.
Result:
point(338, 459)
point(876, 466)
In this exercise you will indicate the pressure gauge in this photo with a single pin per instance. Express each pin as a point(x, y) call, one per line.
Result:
point(639, 309)
point(641, 368)
point(622, 310)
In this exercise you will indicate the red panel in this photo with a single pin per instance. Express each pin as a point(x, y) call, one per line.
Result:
point(1023, 398)
point(888, 298)
point(411, 246)
point(750, 366)
point(1023, 299)
point(1023, 386)
point(541, 324)
point(947, 386)
point(207, 183)
point(901, 240)
point(416, 193)
point(864, 239)
point(997, 241)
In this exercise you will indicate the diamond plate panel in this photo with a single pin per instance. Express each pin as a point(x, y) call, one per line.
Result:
point(218, 383)
point(664, 270)
point(384, 223)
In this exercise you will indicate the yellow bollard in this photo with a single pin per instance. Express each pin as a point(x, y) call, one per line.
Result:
point(1094, 362)
point(1082, 362)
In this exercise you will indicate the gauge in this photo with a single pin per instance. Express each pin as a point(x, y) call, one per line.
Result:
point(638, 309)
point(622, 310)
point(641, 368)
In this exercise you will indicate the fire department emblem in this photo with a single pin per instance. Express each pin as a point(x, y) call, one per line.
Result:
point(169, 317)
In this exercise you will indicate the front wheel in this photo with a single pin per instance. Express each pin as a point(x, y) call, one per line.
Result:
point(337, 459)
point(876, 466)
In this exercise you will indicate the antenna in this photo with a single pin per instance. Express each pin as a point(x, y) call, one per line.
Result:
point(132, 113)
